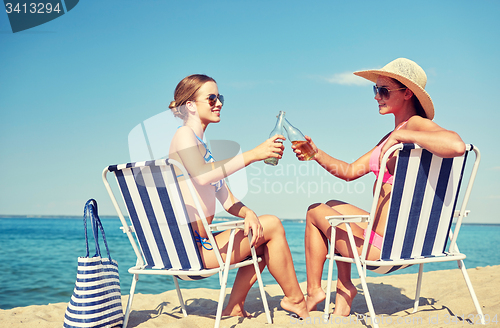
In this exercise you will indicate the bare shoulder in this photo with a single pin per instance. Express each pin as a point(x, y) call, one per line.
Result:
point(183, 131)
point(183, 138)
point(418, 123)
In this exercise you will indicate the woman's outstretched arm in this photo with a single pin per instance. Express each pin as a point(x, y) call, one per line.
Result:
point(186, 146)
point(340, 169)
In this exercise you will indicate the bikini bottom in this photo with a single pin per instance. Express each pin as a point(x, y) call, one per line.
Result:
point(375, 239)
point(204, 241)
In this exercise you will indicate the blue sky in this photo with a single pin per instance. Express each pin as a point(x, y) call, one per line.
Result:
point(73, 89)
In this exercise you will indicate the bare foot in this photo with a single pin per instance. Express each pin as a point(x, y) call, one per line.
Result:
point(299, 307)
point(343, 301)
point(314, 298)
point(236, 311)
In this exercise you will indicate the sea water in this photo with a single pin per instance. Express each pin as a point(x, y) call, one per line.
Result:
point(38, 258)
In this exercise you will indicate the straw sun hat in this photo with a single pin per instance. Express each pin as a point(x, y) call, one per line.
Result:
point(410, 74)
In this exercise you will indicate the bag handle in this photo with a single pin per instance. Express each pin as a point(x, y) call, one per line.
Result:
point(90, 209)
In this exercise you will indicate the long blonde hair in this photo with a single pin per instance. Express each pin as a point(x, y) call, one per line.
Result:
point(186, 91)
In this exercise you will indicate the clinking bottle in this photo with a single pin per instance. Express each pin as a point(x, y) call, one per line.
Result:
point(299, 140)
point(278, 129)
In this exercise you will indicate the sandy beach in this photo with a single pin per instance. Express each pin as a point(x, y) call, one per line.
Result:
point(444, 301)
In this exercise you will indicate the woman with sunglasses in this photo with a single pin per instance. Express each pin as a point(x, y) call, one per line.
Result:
point(399, 91)
point(198, 103)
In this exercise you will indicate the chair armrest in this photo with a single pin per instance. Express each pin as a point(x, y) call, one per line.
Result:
point(335, 220)
point(221, 226)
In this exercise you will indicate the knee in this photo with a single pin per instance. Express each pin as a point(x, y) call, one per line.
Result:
point(271, 223)
point(312, 212)
point(312, 207)
point(316, 210)
point(334, 202)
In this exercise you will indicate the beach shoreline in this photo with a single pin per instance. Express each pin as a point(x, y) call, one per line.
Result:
point(444, 301)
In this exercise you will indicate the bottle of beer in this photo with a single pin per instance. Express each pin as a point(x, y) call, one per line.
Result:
point(297, 138)
point(278, 129)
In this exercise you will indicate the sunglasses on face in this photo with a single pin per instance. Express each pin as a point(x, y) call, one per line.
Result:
point(383, 91)
point(212, 99)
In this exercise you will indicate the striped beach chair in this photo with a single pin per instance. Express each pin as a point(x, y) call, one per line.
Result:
point(166, 244)
point(422, 207)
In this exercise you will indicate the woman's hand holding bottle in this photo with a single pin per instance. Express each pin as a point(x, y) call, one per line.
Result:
point(299, 142)
point(305, 151)
point(271, 148)
point(277, 131)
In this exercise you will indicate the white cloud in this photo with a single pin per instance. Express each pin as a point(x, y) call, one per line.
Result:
point(347, 78)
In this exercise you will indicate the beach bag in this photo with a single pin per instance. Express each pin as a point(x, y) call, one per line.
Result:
point(96, 300)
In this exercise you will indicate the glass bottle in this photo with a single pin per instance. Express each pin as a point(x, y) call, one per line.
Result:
point(299, 140)
point(278, 129)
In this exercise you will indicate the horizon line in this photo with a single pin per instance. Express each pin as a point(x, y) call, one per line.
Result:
point(29, 216)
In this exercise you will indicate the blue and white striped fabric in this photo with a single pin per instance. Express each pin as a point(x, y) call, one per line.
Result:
point(96, 300)
point(158, 215)
point(424, 196)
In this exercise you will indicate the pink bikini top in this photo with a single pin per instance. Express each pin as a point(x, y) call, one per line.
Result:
point(374, 160)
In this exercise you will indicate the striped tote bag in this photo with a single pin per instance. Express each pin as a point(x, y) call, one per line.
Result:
point(96, 300)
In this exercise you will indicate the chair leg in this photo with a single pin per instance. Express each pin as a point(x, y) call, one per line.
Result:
point(330, 275)
point(135, 278)
point(225, 275)
point(419, 285)
point(222, 295)
point(361, 273)
point(461, 266)
point(179, 295)
point(259, 280)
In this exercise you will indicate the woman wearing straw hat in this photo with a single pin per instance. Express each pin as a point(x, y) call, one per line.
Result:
point(399, 91)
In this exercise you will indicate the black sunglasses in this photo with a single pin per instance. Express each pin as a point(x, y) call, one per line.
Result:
point(212, 99)
point(383, 91)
